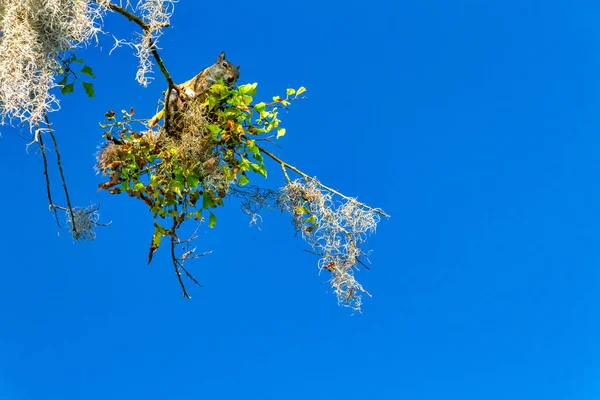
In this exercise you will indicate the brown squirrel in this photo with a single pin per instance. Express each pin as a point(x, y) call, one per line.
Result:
point(199, 84)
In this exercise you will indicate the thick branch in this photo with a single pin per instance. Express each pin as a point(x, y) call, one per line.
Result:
point(296, 170)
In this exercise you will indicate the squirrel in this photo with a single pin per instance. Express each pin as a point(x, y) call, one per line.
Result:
point(199, 84)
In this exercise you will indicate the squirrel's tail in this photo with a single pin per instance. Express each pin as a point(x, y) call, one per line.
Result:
point(154, 120)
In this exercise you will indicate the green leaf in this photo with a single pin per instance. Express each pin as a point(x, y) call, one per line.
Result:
point(259, 169)
point(311, 220)
point(247, 99)
point(213, 129)
point(249, 88)
point(258, 157)
point(252, 91)
point(156, 239)
point(207, 200)
point(212, 220)
point(300, 91)
point(227, 172)
point(192, 181)
point(139, 186)
point(67, 88)
point(86, 70)
point(176, 186)
point(262, 170)
point(260, 107)
point(89, 89)
point(252, 148)
point(63, 81)
point(244, 180)
point(304, 210)
point(280, 132)
point(245, 164)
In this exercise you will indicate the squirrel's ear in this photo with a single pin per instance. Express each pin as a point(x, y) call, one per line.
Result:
point(221, 57)
point(238, 67)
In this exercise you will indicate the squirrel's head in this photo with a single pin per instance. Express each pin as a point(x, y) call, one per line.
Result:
point(230, 72)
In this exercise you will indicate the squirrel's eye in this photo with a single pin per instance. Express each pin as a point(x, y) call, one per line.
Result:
point(225, 64)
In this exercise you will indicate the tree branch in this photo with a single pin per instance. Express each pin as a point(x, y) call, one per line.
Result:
point(127, 14)
point(177, 266)
point(60, 169)
point(296, 170)
point(152, 45)
point(142, 24)
point(43, 150)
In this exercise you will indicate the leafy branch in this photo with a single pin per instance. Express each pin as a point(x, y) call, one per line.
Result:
point(206, 152)
point(66, 71)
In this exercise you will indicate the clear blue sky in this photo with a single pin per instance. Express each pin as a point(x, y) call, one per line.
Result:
point(475, 124)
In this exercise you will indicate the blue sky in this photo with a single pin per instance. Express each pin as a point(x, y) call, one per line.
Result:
point(473, 123)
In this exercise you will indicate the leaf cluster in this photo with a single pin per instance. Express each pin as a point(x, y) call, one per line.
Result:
point(68, 76)
point(184, 173)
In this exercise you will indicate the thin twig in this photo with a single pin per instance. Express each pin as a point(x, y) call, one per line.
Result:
point(296, 170)
point(279, 104)
point(268, 139)
point(188, 255)
point(177, 266)
point(362, 263)
point(60, 169)
point(286, 174)
point(314, 253)
point(43, 150)
point(99, 224)
point(189, 275)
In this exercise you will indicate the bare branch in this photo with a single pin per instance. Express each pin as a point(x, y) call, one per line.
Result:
point(179, 261)
point(43, 150)
point(296, 170)
point(189, 275)
point(60, 169)
point(177, 266)
point(127, 14)
point(142, 24)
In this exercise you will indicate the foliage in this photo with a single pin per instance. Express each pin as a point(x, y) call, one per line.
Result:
point(210, 148)
point(69, 76)
point(186, 172)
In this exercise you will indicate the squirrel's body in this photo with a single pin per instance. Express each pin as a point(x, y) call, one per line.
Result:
point(199, 84)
